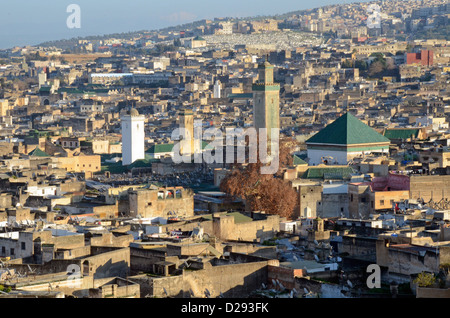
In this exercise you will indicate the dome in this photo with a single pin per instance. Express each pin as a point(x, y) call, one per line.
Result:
point(133, 112)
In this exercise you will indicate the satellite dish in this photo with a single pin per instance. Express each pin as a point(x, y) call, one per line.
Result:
point(316, 257)
point(263, 286)
point(349, 283)
point(165, 291)
point(306, 291)
point(31, 270)
point(315, 242)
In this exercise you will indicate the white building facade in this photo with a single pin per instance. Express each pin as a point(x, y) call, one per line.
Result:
point(133, 137)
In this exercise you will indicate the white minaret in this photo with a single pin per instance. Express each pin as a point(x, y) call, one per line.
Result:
point(133, 137)
point(217, 88)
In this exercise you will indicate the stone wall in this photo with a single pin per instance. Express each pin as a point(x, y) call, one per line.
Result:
point(406, 262)
point(109, 239)
point(422, 292)
point(284, 275)
point(309, 200)
point(225, 228)
point(108, 264)
point(334, 205)
point(235, 280)
point(5, 200)
point(358, 246)
point(142, 260)
point(430, 187)
point(158, 203)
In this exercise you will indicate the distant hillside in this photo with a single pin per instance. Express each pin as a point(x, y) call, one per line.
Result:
point(67, 43)
point(73, 41)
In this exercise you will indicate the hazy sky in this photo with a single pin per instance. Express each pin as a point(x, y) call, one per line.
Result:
point(30, 22)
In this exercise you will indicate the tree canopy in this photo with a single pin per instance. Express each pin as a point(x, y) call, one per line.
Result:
point(263, 192)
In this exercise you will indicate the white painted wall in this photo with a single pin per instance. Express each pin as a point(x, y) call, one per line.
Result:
point(133, 139)
point(315, 157)
point(340, 157)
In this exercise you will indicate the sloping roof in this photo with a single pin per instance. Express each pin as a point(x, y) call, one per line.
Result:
point(238, 217)
point(328, 173)
point(160, 148)
point(299, 161)
point(401, 133)
point(163, 148)
point(347, 130)
point(38, 153)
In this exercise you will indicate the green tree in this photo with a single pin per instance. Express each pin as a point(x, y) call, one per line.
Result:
point(177, 42)
point(425, 279)
point(5, 289)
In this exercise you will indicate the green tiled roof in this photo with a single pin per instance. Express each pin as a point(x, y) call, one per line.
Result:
point(401, 133)
point(160, 148)
point(238, 217)
point(163, 148)
point(328, 173)
point(38, 153)
point(347, 130)
point(299, 161)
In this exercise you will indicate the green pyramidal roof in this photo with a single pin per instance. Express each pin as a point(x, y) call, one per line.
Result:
point(38, 153)
point(347, 130)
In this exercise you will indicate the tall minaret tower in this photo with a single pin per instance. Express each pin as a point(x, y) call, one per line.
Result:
point(266, 100)
point(133, 137)
point(217, 88)
point(186, 122)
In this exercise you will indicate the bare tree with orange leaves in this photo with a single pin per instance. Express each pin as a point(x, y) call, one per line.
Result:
point(263, 192)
